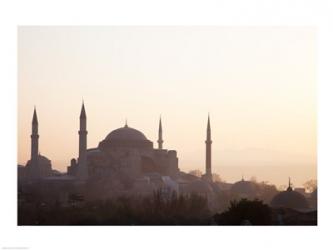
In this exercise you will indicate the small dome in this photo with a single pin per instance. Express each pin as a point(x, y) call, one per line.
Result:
point(43, 159)
point(290, 199)
point(44, 167)
point(126, 134)
point(242, 187)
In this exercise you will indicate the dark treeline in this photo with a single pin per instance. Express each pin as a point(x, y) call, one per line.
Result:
point(154, 210)
point(158, 210)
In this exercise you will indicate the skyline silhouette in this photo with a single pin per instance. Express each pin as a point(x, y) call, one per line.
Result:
point(125, 172)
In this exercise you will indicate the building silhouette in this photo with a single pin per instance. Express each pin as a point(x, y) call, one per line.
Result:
point(126, 152)
point(124, 162)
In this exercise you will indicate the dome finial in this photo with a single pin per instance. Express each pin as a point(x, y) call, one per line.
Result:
point(126, 126)
point(242, 177)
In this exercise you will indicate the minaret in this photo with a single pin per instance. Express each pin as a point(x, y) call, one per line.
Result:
point(34, 140)
point(208, 151)
point(82, 161)
point(160, 136)
point(289, 186)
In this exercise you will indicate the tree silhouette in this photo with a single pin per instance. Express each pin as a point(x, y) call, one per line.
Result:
point(245, 212)
point(157, 209)
point(310, 185)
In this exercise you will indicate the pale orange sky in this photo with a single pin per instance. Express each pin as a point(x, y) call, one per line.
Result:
point(257, 83)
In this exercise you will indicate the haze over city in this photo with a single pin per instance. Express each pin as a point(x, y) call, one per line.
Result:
point(258, 84)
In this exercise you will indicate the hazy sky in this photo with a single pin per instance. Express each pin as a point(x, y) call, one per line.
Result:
point(257, 83)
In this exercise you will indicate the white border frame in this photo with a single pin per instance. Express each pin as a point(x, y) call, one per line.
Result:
point(172, 12)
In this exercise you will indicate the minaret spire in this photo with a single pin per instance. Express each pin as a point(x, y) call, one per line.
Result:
point(83, 111)
point(34, 138)
point(160, 135)
point(82, 172)
point(34, 146)
point(34, 117)
point(208, 151)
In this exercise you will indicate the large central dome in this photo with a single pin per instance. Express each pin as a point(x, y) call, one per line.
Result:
point(126, 134)
point(125, 137)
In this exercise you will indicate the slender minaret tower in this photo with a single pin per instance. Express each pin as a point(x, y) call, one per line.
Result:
point(34, 140)
point(289, 186)
point(160, 136)
point(208, 152)
point(82, 161)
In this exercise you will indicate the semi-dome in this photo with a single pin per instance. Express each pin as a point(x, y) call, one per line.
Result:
point(43, 159)
point(199, 187)
point(126, 133)
point(93, 151)
point(290, 199)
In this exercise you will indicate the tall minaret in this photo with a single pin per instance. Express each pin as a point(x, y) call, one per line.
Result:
point(34, 140)
point(82, 161)
point(160, 136)
point(208, 152)
point(289, 186)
